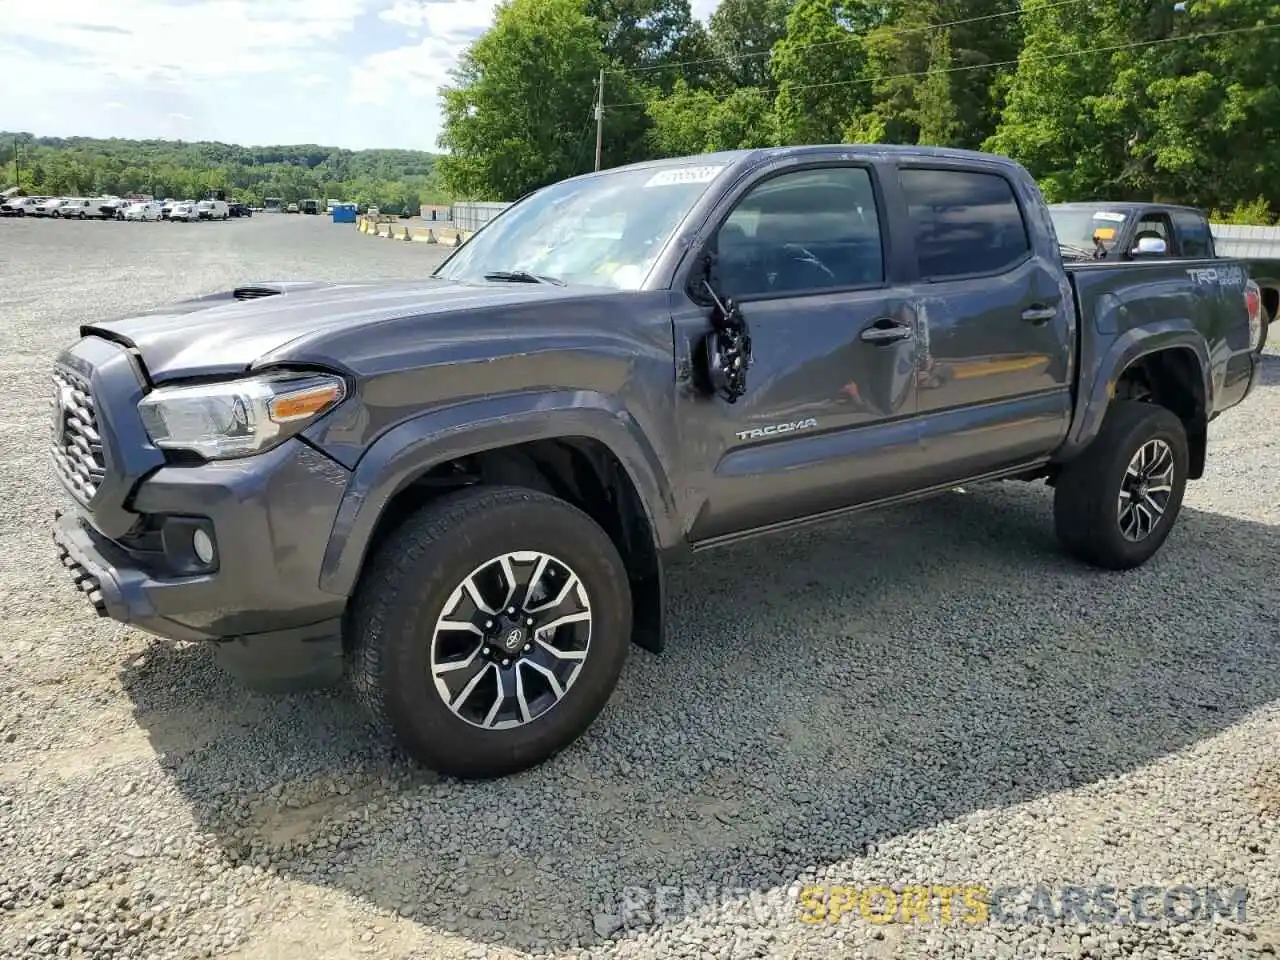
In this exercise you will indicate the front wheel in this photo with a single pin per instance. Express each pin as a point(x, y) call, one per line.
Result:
point(1116, 503)
point(489, 630)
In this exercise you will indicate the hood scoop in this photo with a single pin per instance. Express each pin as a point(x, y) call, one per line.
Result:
point(255, 292)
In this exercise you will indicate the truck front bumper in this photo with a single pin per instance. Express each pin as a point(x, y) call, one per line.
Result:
point(268, 519)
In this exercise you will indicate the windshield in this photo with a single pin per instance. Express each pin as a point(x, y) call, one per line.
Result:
point(1086, 227)
point(603, 231)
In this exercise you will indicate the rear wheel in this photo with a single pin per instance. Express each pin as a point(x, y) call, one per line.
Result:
point(489, 630)
point(1116, 503)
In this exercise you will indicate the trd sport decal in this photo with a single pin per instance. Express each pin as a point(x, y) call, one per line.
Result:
point(777, 429)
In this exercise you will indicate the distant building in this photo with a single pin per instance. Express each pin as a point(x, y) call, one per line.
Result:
point(431, 211)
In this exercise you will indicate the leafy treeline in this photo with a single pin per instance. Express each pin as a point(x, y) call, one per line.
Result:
point(80, 166)
point(1123, 99)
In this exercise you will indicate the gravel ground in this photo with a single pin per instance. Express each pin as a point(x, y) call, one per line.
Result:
point(931, 695)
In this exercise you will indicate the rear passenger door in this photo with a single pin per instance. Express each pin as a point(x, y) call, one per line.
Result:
point(996, 321)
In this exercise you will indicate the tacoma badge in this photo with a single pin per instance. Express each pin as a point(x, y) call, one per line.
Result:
point(776, 429)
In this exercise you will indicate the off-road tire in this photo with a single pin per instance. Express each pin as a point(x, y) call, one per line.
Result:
point(1086, 508)
point(410, 578)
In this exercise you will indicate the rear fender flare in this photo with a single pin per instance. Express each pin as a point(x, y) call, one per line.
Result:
point(410, 449)
point(1129, 347)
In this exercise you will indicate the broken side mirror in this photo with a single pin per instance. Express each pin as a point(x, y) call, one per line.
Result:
point(727, 355)
point(726, 349)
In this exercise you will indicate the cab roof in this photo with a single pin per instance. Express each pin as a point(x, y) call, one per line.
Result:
point(753, 156)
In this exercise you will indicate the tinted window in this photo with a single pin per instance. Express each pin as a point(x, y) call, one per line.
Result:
point(805, 231)
point(1193, 230)
point(965, 223)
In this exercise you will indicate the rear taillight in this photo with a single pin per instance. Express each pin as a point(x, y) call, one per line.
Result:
point(1253, 301)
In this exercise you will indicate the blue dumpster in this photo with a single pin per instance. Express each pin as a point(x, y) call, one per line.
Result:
point(344, 213)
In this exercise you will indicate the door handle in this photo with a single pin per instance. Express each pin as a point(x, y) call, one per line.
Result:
point(1038, 313)
point(886, 330)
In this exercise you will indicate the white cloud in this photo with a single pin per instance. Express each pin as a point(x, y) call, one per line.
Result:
point(410, 77)
point(406, 13)
point(141, 40)
point(247, 71)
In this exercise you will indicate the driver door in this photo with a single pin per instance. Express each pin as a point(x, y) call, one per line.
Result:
point(827, 420)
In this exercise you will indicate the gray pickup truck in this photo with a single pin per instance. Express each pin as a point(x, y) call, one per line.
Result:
point(1101, 230)
point(462, 492)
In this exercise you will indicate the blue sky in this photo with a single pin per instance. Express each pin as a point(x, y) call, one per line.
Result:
point(348, 73)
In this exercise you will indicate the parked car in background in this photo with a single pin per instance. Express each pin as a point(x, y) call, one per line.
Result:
point(212, 210)
point(311, 207)
point(20, 206)
point(237, 209)
point(166, 209)
point(111, 208)
point(145, 210)
point(184, 212)
point(76, 208)
point(1104, 231)
point(292, 208)
point(49, 207)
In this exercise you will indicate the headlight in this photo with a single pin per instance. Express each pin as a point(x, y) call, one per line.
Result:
point(238, 418)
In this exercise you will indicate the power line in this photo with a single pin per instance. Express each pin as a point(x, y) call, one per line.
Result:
point(996, 63)
point(852, 38)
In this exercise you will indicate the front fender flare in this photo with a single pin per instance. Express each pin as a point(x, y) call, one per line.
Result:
point(408, 450)
point(1095, 395)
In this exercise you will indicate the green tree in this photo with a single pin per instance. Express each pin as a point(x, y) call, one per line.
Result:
point(1051, 121)
point(743, 33)
point(518, 114)
point(650, 36)
point(820, 69)
point(743, 120)
point(681, 121)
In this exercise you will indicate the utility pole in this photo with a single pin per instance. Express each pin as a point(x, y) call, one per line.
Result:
point(599, 116)
point(17, 175)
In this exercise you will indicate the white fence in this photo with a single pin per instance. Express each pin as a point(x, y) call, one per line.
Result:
point(1230, 241)
point(475, 214)
point(1248, 243)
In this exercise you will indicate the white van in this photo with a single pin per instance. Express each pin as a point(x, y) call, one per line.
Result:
point(213, 210)
point(80, 208)
point(144, 210)
point(184, 212)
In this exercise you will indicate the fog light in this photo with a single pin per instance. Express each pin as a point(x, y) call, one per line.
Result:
point(203, 546)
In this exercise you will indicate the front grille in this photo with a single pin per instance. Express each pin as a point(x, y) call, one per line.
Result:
point(77, 445)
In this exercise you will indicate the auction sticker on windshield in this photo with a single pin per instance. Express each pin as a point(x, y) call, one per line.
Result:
point(666, 178)
point(1109, 217)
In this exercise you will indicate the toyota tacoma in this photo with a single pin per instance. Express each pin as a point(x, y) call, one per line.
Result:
point(462, 492)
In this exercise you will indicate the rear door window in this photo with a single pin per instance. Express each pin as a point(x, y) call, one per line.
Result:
point(1194, 235)
point(966, 223)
